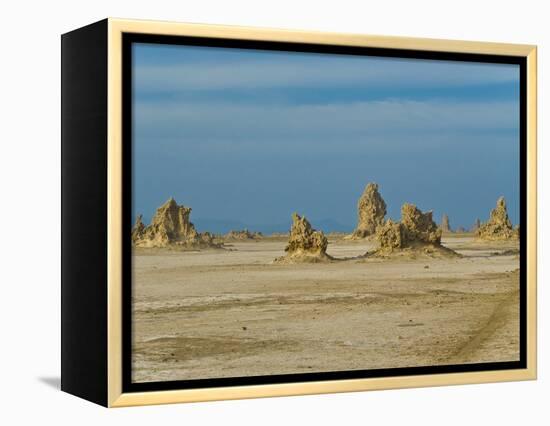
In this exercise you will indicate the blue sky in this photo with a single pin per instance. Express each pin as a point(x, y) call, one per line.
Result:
point(246, 137)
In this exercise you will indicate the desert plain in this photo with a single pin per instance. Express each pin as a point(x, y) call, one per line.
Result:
point(233, 312)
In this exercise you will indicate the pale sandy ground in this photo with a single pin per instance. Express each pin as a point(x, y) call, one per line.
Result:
point(233, 313)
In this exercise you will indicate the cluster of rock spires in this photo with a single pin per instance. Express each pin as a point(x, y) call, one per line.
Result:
point(416, 231)
point(305, 244)
point(499, 226)
point(241, 235)
point(170, 226)
point(371, 211)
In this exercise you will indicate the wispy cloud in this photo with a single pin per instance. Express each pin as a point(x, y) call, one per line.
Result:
point(274, 70)
point(198, 123)
point(266, 133)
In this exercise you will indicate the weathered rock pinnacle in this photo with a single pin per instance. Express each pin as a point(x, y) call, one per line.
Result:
point(419, 226)
point(170, 226)
point(305, 244)
point(138, 229)
point(499, 226)
point(445, 226)
point(371, 210)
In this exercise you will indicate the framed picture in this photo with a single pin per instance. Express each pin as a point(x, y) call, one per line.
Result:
point(254, 212)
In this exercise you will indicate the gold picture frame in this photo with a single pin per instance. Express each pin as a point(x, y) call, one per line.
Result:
point(114, 30)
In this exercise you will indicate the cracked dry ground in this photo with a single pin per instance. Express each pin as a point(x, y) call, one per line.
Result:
point(233, 313)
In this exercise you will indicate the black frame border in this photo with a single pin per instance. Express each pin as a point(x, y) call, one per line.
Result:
point(130, 38)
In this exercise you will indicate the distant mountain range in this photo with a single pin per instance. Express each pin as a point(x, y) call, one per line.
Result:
point(220, 226)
